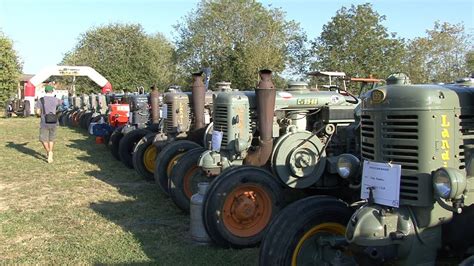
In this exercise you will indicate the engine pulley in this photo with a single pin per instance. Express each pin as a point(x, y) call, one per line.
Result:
point(299, 159)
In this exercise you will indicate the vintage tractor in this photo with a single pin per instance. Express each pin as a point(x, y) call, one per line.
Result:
point(17, 107)
point(426, 131)
point(184, 127)
point(89, 104)
point(141, 123)
point(264, 144)
point(136, 107)
point(190, 132)
point(73, 117)
point(63, 109)
point(67, 106)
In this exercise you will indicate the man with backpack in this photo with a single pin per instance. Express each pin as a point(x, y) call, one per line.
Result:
point(49, 122)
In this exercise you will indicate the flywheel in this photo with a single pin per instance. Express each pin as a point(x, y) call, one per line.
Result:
point(298, 159)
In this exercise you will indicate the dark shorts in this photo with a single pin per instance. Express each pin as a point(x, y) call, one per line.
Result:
point(47, 134)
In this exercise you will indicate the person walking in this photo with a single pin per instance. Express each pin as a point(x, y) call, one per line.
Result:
point(48, 123)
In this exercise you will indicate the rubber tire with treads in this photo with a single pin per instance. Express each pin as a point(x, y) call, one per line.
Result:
point(26, 109)
point(114, 142)
point(222, 187)
point(83, 120)
point(165, 156)
point(63, 118)
point(176, 185)
point(127, 145)
point(107, 139)
point(291, 224)
point(138, 156)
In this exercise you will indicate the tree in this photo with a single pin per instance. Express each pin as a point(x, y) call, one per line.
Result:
point(355, 42)
point(10, 69)
point(441, 56)
point(470, 62)
point(126, 56)
point(236, 38)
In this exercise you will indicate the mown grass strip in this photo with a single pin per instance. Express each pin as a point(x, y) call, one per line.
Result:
point(87, 208)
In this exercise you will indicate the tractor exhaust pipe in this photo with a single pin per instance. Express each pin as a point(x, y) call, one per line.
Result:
point(265, 94)
point(155, 105)
point(199, 96)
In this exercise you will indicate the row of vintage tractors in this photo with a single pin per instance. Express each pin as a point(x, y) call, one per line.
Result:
point(285, 166)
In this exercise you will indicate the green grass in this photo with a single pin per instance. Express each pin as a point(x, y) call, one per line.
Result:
point(88, 208)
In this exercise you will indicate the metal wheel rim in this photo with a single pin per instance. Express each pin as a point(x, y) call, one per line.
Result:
point(247, 210)
point(172, 163)
point(149, 158)
point(187, 181)
point(324, 228)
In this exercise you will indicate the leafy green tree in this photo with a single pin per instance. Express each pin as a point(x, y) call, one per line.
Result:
point(354, 41)
point(126, 56)
point(10, 69)
point(470, 62)
point(236, 38)
point(441, 56)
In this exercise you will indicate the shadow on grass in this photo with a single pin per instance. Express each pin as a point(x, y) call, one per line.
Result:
point(151, 217)
point(21, 147)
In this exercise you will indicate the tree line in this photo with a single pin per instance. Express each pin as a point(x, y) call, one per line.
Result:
point(236, 38)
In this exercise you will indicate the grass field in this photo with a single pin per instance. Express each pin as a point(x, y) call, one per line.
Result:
point(88, 208)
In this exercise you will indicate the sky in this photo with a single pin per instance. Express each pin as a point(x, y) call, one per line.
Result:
point(42, 31)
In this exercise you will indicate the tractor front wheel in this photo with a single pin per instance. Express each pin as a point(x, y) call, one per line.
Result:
point(300, 234)
point(127, 145)
point(144, 156)
point(185, 177)
point(167, 158)
point(114, 142)
point(239, 206)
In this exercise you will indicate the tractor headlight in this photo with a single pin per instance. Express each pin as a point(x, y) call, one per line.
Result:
point(347, 165)
point(449, 183)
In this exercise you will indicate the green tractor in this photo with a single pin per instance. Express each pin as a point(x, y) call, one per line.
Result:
point(264, 143)
point(186, 120)
point(420, 214)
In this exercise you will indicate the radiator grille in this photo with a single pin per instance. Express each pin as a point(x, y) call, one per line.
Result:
point(169, 118)
point(466, 126)
point(220, 123)
point(396, 142)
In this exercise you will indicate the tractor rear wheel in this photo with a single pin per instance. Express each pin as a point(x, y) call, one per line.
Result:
point(144, 156)
point(114, 142)
point(82, 120)
point(127, 145)
point(26, 109)
point(293, 237)
point(185, 177)
point(63, 118)
point(167, 158)
point(239, 206)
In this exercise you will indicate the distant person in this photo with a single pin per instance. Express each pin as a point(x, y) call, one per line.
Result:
point(48, 124)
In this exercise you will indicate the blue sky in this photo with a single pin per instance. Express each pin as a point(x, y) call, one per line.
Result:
point(43, 30)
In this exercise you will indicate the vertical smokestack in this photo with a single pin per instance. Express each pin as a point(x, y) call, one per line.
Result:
point(199, 94)
point(155, 105)
point(265, 95)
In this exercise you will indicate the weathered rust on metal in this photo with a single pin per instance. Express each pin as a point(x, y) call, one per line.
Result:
point(265, 96)
point(199, 95)
point(155, 104)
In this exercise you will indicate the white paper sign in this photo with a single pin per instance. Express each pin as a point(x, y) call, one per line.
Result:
point(216, 140)
point(164, 110)
point(385, 180)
